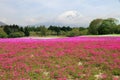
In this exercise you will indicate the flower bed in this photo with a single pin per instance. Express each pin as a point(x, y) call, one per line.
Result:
point(75, 58)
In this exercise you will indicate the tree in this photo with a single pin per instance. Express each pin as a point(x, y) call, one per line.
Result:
point(93, 27)
point(107, 26)
point(64, 28)
point(11, 28)
point(82, 28)
point(16, 34)
point(69, 28)
point(74, 32)
point(103, 26)
point(117, 29)
point(15, 28)
point(55, 29)
point(43, 30)
point(51, 28)
point(21, 29)
point(7, 29)
point(26, 31)
point(2, 33)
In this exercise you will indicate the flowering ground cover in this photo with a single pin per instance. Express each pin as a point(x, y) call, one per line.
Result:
point(76, 58)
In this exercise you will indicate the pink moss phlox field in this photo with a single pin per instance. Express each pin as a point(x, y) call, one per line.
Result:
point(75, 58)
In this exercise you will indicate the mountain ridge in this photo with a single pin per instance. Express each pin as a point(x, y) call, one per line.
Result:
point(2, 23)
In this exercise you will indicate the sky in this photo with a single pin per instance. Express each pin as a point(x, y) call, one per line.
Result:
point(57, 12)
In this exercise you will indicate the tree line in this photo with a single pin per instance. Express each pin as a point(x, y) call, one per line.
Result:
point(96, 27)
point(17, 31)
point(13, 31)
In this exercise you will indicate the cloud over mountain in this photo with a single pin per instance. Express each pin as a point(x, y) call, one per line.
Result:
point(1, 23)
point(71, 12)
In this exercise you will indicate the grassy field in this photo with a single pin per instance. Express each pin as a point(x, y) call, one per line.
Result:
point(75, 58)
point(112, 35)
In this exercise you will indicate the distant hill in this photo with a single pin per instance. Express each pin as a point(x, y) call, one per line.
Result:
point(47, 24)
point(1, 23)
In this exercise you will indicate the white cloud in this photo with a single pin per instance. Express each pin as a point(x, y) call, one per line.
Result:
point(69, 16)
point(72, 17)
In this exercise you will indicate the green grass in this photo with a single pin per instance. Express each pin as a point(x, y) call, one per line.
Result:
point(104, 35)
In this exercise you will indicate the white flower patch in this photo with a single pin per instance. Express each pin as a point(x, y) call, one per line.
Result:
point(31, 56)
point(80, 63)
point(46, 73)
point(98, 76)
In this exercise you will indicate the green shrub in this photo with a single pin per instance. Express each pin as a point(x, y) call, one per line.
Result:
point(74, 32)
point(116, 72)
point(84, 32)
point(16, 34)
point(2, 33)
